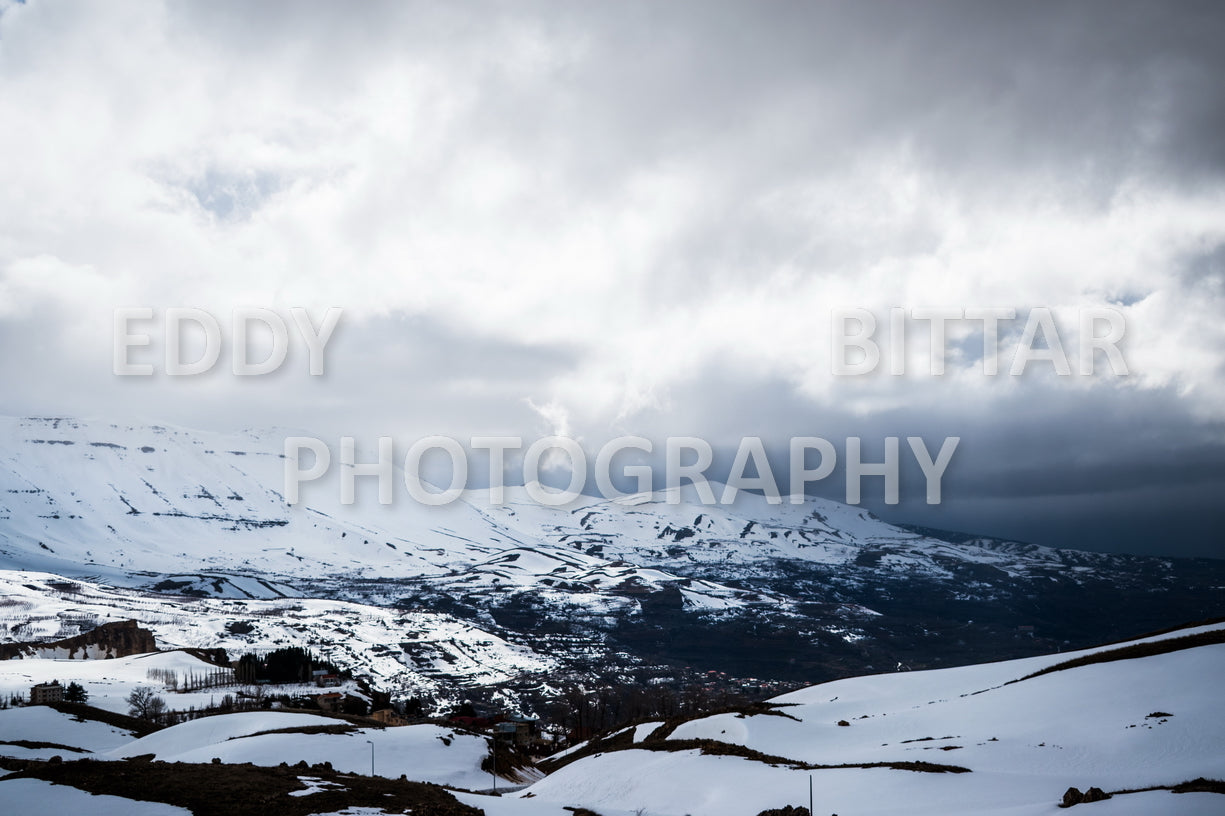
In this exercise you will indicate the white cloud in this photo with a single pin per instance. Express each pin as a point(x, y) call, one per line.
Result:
point(653, 196)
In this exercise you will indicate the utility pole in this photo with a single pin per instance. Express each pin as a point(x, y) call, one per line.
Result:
point(371, 756)
point(494, 754)
point(810, 795)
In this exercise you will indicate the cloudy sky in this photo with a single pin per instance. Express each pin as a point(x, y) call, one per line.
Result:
point(603, 219)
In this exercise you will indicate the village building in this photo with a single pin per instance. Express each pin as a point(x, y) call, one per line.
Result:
point(521, 731)
point(389, 717)
point(44, 693)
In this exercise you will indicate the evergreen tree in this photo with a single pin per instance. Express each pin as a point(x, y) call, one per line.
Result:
point(75, 693)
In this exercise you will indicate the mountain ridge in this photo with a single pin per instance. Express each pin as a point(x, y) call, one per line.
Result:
point(784, 592)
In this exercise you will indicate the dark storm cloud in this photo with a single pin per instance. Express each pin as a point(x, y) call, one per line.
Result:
point(1096, 89)
point(1086, 470)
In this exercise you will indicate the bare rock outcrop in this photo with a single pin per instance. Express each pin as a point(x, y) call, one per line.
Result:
point(114, 639)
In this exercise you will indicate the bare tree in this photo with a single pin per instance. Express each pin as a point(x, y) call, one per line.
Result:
point(146, 705)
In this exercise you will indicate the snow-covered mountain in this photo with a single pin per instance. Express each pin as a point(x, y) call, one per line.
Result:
point(801, 592)
point(99, 499)
point(117, 500)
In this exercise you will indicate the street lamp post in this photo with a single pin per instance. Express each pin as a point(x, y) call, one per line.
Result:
point(371, 756)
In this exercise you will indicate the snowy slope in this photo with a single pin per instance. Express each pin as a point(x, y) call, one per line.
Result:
point(109, 682)
point(93, 498)
point(39, 724)
point(423, 753)
point(409, 653)
point(210, 731)
point(97, 499)
point(1130, 720)
point(34, 796)
point(1024, 743)
point(750, 536)
point(112, 499)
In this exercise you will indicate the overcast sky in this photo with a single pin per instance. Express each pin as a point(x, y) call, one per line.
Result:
point(601, 219)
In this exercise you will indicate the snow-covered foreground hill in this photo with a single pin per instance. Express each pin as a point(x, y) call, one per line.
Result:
point(1000, 738)
point(422, 753)
point(34, 796)
point(39, 732)
point(1128, 723)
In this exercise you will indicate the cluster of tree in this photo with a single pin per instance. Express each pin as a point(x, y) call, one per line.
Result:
point(413, 707)
point(465, 709)
point(293, 664)
point(145, 704)
point(192, 680)
point(585, 712)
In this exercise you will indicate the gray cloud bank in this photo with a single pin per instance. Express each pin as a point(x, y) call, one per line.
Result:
point(637, 218)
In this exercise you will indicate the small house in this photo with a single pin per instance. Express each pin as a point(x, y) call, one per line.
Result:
point(388, 716)
point(44, 693)
point(521, 731)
